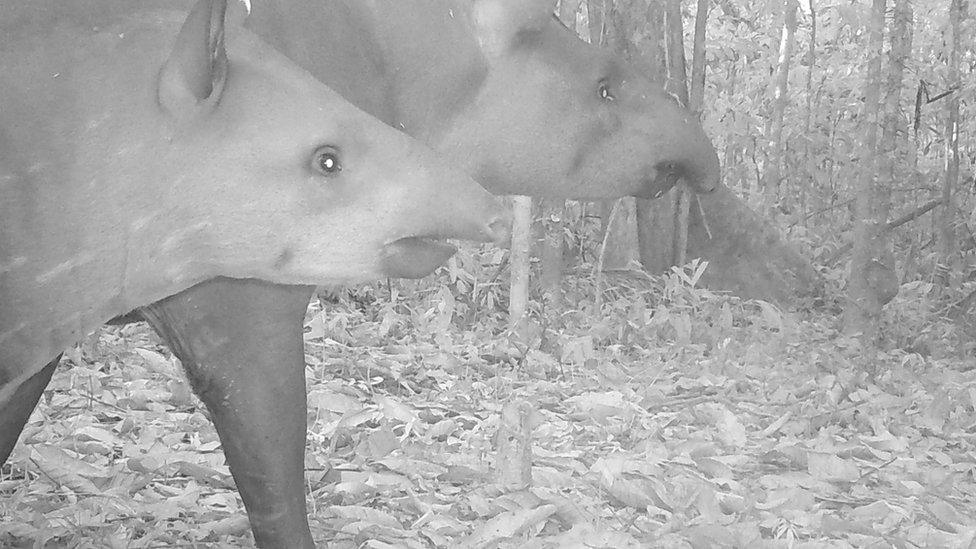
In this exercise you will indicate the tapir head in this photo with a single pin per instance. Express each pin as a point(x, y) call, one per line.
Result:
point(288, 182)
point(559, 117)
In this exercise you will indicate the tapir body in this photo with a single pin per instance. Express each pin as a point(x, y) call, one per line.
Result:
point(504, 91)
point(140, 156)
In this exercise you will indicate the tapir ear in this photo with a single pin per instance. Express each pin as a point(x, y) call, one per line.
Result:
point(498, 22)
point(197, 67)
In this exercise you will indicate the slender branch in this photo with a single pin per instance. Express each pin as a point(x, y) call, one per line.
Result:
point(910, 216)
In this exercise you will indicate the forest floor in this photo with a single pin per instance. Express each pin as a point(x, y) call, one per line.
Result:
point(664, 416)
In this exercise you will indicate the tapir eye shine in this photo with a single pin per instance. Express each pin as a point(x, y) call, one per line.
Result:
point(326, 161)
point(603, 90)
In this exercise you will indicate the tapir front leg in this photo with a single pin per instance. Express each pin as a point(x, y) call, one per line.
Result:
point(241, 345)
point(14, 414)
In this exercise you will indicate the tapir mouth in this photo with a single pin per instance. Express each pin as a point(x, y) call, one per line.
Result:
point(668, 174)
point(654, 187)
point(664, 182)
point(415, 256)
point(701, 180)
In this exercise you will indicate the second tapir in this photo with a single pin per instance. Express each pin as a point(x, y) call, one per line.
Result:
point(139, 157)
point(500, 87)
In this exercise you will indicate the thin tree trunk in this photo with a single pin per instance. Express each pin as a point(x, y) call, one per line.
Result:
point(775, 34)
point(583, 25)
point(916, 175)
point(554, 210)
point(596, 15)
point(698, 59)
point(518, 299)
point(951, 145)
point(675, 48)
point(729, 154)
point(678, 80)
point(679, 249)
point(655, 233)
point(610, 214)
point(774, 158)
point(619, 233)
point(553, 215)
point(567, 12)
point(627, 19)
point(889, 165)
point(655, 227)
point(808, 115)
point(686, 198)
point(863, 307)
point(662, 225)
point(812, 62)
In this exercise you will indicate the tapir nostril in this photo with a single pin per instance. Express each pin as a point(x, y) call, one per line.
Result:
point(702, 177)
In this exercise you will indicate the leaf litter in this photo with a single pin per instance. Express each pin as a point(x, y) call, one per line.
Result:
point(661, 415)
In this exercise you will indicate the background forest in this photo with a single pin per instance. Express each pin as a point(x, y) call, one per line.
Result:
point(842, 125)
point(813, 386)
point(850, 111)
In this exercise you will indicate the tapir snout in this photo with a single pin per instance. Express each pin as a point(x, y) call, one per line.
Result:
point(428, 216)
point(701, 172)
point(679, 149)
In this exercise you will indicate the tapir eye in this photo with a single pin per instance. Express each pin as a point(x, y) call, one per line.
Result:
point(604, 91)
point(326, 161)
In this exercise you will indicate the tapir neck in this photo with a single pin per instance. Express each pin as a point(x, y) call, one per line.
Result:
point(354, 65)
point(59, 148)
point(437, 67)
point(413, 64)
point(84, 290)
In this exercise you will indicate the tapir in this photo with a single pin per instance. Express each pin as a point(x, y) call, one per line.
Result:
point(504, 91)
point(142, 152)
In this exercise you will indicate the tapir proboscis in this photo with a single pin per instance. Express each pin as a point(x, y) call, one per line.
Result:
point(500, 87)
point(140, 156)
